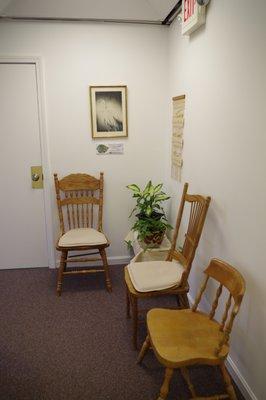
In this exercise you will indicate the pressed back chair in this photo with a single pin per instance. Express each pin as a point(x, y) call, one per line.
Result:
point(170, 277)
point(80, 207)
point(182, 338)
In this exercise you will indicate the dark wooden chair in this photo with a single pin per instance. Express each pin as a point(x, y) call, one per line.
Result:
point(182, 338)
point(80, 206)
point(168, 277)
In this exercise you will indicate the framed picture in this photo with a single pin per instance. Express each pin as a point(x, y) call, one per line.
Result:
point(108, 111)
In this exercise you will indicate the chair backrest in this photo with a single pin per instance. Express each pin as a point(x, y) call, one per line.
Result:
point(198, 206)
point(80, 201)
point(227, 277)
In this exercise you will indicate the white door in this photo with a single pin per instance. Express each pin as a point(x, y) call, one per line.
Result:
point(23, 240)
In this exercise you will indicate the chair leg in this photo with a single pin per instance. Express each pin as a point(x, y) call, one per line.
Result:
point(178, 301)
point(183, 301)
point(135, 321)
point(185, 374)
point(165, 386)
point(106, 270)
point(60, 272)
point(229, 387)
point(145, 347)
point(128, 302)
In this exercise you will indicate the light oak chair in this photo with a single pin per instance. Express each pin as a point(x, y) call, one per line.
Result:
point(170, 277)
point(80, 206)
point(182, 338)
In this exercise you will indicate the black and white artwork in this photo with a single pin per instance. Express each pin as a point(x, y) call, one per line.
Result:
point(108, 111)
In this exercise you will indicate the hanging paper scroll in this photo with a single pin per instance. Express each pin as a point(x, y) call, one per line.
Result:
point(177, 136)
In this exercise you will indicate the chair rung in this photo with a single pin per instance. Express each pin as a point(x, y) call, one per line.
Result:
point(217, 397)
point(82, 271)
point(84, 254)
point(83, 260)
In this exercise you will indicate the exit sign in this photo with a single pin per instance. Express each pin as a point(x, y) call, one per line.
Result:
point(193, 16)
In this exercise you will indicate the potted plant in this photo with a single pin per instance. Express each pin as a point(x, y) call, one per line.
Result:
point(151, 222)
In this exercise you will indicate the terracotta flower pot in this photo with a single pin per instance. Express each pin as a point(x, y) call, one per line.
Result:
point(155, 239)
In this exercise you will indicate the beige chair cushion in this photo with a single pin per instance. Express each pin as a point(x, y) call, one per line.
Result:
point(82, 237)
point(148, 276)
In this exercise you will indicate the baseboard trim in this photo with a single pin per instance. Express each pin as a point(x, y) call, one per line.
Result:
point(239, 380)
point(24, 267)
point(232, 367)
point(118, 260)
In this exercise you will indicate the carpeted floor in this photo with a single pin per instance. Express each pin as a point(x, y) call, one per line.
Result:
point(77, 346)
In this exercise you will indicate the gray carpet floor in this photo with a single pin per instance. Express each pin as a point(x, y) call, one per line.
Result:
point(78, 346)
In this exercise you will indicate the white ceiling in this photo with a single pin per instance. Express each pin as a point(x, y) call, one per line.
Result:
point(132, 10)
point(3, 4)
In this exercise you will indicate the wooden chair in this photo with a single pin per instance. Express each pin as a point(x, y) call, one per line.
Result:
point(168, 277)
point(80, 206)
point(181, 338)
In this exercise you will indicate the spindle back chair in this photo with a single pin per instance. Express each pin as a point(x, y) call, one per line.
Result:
point(182, 338)
point(229, 278)
point(197, 207)
point(80, 208)
point(77, 201)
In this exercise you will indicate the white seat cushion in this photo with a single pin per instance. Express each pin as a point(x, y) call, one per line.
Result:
point(148, 276)
point(82, 237)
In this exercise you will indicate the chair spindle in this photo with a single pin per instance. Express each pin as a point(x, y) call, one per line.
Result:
point(203, 287)
point(91, 216)
point(216, 301)
point(227, 307)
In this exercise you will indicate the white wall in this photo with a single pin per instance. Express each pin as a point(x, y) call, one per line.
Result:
point(221, 69)
point(76, 56)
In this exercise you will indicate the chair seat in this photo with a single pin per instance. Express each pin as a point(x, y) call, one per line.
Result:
point(150, 276)
point(184, 337)
point(82, 237)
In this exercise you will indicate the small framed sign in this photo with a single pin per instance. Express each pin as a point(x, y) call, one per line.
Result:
point(193, 16)
point(110, 148)
point(108, 111)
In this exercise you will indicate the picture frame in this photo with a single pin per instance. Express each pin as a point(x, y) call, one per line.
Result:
point(108, 111)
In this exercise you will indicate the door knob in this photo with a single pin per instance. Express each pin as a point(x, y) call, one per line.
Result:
point(35, 177)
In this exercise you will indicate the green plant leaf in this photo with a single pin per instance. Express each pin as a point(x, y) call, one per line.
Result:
point(151, 191)
point(148, 211)
point(162, 197)
point(134, 209)
point(147, 188)
point(129, 244)
point(133, 187)
point(158, 187)
point(148, 201)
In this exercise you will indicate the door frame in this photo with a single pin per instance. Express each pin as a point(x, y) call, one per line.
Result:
point(37, 62)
